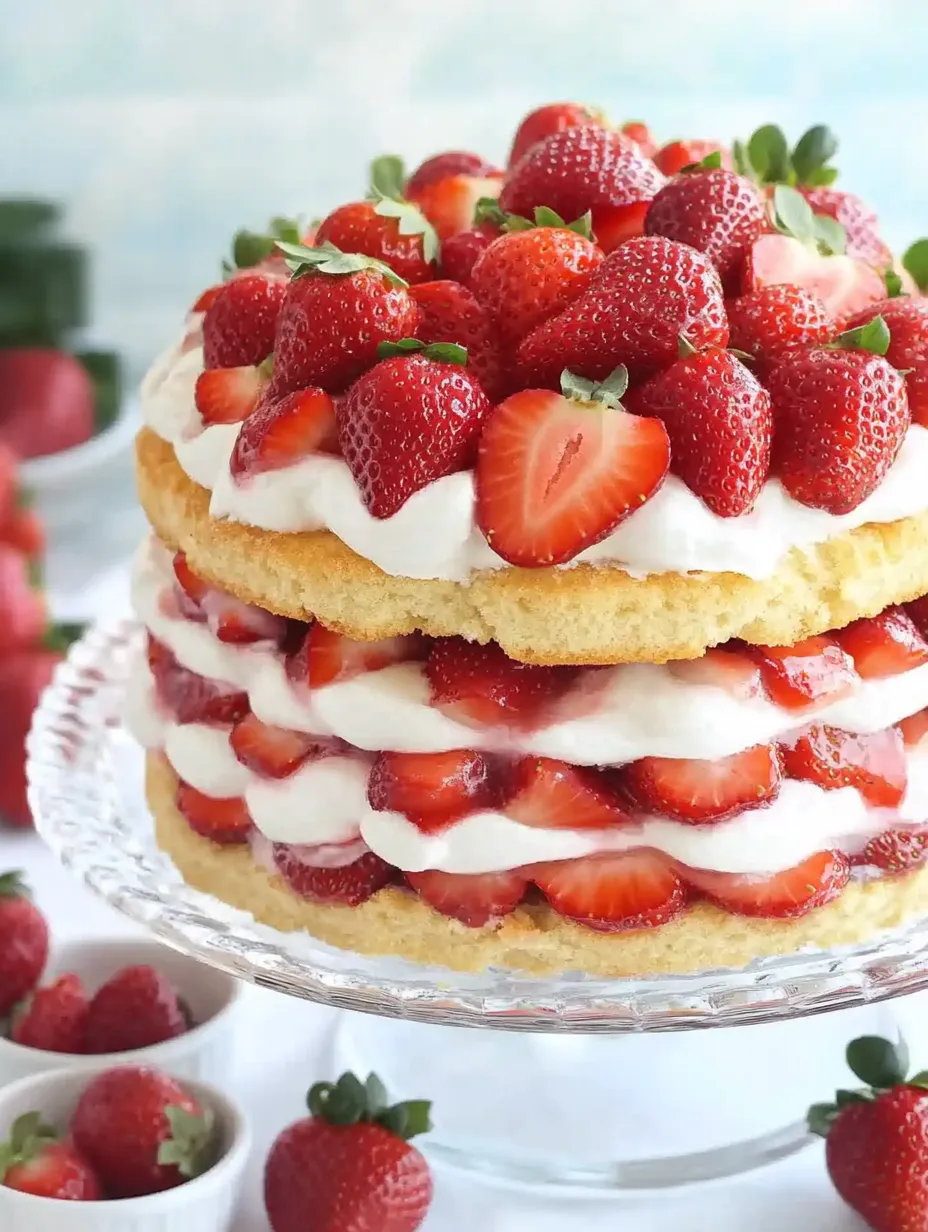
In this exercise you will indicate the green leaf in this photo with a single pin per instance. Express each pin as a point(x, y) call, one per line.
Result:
point(862, 1095)
point(820, 1118)
point(873, 337)
point(576, 387)
point(915, 260)
point(63, 635)
point(793, 214)
point(546, 217)
point(877, 1062)
point(13, 885)
point(408, 1119)
point(327, 259)
point(441, 352)
point(583, 225)
point(191, 1147)
point(919, 1080)
point(608, 392)
point(814, 149)
point(402, 346)
point(515, 222)
point(710, 163)
point(741, 160)
point(318, 1098)
point(769, 154)
point(377, 1099)
point(388, 176)
point(487, 209)
point(250, 248)
point(23, 218)
point(894, 284)
point(829, 234)
point(286, 229)
point(411, 222)
point(105, 372)
point(822, 177)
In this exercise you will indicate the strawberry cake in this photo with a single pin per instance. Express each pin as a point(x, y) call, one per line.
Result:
point(538, 557)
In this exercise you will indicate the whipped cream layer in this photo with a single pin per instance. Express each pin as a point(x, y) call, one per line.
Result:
point(612, 715)
point(434, 535)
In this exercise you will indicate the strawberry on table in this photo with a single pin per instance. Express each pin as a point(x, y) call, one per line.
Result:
point(142, 1132)
point(557, 473)
point(549, 119)
point(337, 308)
point(448, 163)
point(433, 789)
point(884, 645)
point(228, 395)
point(473, 899)
point(284, 430)
point(640, 300)
point(580, 169)
point(33, 1161)
point(352, 883)
point(238, 329)
point(449, 312)
point(807, 673)
point(770, 323)
point(24, 951)
point(53, 1017)
point(782, 896)
point(876, 1137)
point(841, 418)
point(274, 752)
point(695, 791)
point(481, 685)
point(676, 155)
point(24, 675)
point(349, 1166)
point(451, 203)
point(137, 1007)
point(872, 762)
point(412, 419)
point(551, 794)
point(527, 276)
point(614, 892)
point(720, 424)
point(906, 317)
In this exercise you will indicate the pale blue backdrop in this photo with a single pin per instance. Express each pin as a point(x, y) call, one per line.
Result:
point(168, 123)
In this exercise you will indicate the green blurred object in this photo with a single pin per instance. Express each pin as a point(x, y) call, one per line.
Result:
point(43, 291)
point(106, 374)
point(25, 218)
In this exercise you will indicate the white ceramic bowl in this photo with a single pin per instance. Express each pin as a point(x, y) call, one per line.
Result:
point(205, 1204)
point(205, 1052)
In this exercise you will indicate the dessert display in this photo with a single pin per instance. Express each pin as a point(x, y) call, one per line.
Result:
point(538, 562)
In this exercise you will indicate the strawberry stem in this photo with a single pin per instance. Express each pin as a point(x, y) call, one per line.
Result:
point(873, 337)
point(327, 259)
point(28, 1136)
point(879, 1063)
point(608, 392)
point(915, 260)
point(192, 1145)
point(350, 1102)
point(12, 885)
point(710, 163)
point(441, 352)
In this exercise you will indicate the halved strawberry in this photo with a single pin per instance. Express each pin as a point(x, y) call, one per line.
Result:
point(722, 667)
point(241, 623)
point(556, 475)
point(273, 751)
point(812, 671)
point(481, 685)
point(614, 891)
point(896, 851)
point(914, 728)
point(873, 762)
point(191, 698)
point(228, 395)
point(224, 821)
point(551, 794)
point(326, 656)
point(193, 586)
point(843, 284)
point(433, 789)
point(782, 896)
point(449, 203)
point(345, 883)
point(696, 791)
point(474, 899)
point(284, 430)
point(884, 645)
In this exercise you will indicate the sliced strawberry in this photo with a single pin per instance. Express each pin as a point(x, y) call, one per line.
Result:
point(810, 672)
point(449, 203)
point(474, 899)
point(722, 667)
point(551, 794)
point(482, 686)
point(325, 657)
point(697, 791)
point(433, 789)
point(193, 586)
point(242, 623)
point(228, 395)
point(896, 851)
point(844, 285)
point(782, 896)
point(555, 475)
point(873, 762)
point(884, 645)
point(273, 751)
point(191, 698)
point(346, 883)
point(223, 821)
point(283, 431)
point(614, 892)
point(914, 728)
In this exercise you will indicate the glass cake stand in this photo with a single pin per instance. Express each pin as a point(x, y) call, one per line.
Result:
point(573, 1082)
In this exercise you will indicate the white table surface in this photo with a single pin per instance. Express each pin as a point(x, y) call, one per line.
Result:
point(792, 1194)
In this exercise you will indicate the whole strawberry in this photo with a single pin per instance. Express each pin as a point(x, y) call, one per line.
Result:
point(23, 942)
point(579, 169)
point(136, 1008)
point(841, 418)
point(549, 119)
point(640, 300)
point(459, 252)
point(769, 323)
point(337, 308)
point(449, 312)
point(409, 421)
point(52, 1018)
point(527, 276)
point(876, 1138)
point(239, 325)
point(141, 1132)
point(348, 1167)
point(33, 1161)
point(716, 211)
point(720, 424)
point(906, 317)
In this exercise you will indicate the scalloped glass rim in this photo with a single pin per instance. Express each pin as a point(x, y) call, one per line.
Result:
point(85, 776)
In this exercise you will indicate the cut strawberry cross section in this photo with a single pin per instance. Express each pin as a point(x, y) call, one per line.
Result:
point(474, 899)
point(697, 791)
point(551, 794)
point(614, 892)
point(807, 673)
point(884, 645)
point(873, 763)
point(223, 821)
point(433, 789)
point(785, 895)
point(326, 657)
point(274, 752)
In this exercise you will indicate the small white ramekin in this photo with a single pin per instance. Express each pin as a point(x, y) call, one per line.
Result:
point(205, 1204)
point(204, 1053)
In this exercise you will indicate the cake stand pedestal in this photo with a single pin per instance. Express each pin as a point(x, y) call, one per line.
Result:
point(572, 1082)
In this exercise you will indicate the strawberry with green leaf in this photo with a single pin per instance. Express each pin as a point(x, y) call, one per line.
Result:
point(449, 312)
point(906, 318)
point(676, 156)
point(34, 1161)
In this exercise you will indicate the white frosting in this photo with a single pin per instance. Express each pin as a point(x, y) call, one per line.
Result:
point(632, 710)
point(434, 534)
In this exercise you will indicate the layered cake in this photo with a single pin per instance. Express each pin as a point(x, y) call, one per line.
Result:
point(537, 562)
